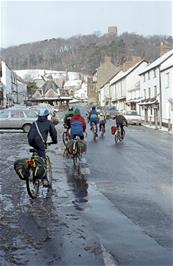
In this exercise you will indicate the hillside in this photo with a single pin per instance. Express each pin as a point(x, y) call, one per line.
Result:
point(82, 53)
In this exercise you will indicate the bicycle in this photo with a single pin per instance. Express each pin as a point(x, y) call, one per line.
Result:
point(93, 126)
point(118, 137)
point(32, 181)
point(102, 129)
point(66, 135)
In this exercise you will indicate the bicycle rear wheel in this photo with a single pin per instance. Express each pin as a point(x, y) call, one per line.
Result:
point(76, 156)
point(49, 171)
point(117, 137)
point(102, 131)
point(32, 185)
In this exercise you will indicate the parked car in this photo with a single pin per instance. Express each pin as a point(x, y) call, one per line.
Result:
point(133, 118)
point(111, 112)
point(17, 118)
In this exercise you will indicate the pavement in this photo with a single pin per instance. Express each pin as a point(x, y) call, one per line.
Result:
point(165, 129)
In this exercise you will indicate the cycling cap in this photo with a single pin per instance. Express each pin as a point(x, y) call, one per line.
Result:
point(70, 108)
point(43, 112)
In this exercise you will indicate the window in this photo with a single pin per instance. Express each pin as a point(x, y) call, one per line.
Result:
point(17, 114)
point(145, 93)
point(31, 114)
point(4, 114)
point(148, 75)
point(149, 92)
point(154, 71)
point(155, 91)
point(167, 80)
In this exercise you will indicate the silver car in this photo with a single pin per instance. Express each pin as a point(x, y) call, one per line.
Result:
point(133, 118)
point(16, 118)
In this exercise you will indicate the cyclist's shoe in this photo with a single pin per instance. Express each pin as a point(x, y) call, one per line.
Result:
point(96, 135)
point(45, 182)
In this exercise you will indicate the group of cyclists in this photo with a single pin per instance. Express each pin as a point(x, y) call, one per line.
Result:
point(74, 121)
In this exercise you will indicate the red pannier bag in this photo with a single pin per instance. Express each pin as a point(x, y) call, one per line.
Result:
point(113, 130)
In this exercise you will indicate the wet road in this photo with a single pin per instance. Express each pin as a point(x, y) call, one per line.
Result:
point(118, 213)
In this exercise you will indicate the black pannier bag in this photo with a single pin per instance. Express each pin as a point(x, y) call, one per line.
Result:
point(21, 168)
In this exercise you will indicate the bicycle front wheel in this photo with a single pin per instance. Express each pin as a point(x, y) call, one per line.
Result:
point(49, 171)
point(32, 185)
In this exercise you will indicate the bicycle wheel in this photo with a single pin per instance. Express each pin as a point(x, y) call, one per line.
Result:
point(102, 131)
point(49, 170)
point(65, 138)
point(32, 185)
point(76, 156)
point(117, 137)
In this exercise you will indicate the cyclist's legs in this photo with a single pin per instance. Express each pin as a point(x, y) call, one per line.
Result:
point(122, 126)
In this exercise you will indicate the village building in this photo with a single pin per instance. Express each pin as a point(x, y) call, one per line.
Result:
point(13, 89)
point(125, 88)
point(52, 94)
point(156, 96)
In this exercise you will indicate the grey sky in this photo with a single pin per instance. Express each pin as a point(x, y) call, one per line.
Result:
point(29, 21)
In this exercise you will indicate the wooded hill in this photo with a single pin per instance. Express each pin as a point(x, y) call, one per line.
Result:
point(83, 53)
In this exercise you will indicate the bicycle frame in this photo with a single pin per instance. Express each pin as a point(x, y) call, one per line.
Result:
point(33, 182)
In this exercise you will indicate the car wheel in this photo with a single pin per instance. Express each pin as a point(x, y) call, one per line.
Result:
point(26, 128)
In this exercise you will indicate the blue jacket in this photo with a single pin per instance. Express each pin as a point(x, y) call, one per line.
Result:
point(93, 116)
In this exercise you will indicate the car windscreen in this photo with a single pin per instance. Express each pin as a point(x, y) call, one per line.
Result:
point(31, 114)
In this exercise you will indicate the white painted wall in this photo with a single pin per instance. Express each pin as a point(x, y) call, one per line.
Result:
point(167, 89)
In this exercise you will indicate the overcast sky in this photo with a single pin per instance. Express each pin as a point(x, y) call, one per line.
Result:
point(30, 21)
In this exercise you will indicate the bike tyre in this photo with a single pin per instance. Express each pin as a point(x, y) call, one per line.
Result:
point(76, 158)
point(49, 171)
point(32, 186)
point(64, 137)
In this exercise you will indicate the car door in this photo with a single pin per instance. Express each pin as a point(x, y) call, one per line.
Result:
point(16, 119)
point(4, 118)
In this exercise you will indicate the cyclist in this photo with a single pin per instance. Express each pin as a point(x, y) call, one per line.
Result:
point(121, 122)
point(68, 117)
point(93, 118)
point(38, 134)
point(78, 124)
point(102, 120)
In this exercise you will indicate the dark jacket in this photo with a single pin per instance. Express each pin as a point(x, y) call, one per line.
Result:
point(45, 126)
point(121, 120)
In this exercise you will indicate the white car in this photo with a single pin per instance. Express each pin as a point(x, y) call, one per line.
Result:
point(133, 118)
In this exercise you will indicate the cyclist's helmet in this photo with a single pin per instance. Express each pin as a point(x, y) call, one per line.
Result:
point(93, 108)
point(70, 108)
point(43, 112)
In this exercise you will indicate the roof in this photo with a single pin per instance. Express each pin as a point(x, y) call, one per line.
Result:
point(124, 74)
point(158, 61)
point(49, 84)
